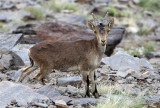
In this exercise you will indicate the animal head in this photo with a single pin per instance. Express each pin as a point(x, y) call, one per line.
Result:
point(101, 28)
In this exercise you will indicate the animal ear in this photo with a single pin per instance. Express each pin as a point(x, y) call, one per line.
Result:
point(91, 25)
point(111, 22)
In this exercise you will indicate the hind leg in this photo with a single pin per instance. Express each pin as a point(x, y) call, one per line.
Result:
point(26, 72)
point(42, 73)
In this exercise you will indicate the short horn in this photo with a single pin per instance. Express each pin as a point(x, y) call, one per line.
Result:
point(106, 16)
point(94, 17)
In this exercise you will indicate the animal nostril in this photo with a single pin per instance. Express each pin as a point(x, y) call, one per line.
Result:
point(103, 41)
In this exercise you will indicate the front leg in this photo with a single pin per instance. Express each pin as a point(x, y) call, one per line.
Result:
point(94, 84)
point(85, 78)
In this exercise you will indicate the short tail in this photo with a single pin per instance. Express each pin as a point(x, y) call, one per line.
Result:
point(31, 61)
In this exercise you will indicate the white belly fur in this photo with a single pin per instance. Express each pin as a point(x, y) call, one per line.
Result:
point(73, 68)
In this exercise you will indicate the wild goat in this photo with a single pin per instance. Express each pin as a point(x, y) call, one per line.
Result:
point(83, 55)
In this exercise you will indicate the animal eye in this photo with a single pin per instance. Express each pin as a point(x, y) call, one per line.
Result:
point(95, 32)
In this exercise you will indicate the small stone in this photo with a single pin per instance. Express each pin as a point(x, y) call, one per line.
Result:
point(136, 1)
point(138, 90)
point(153, 54)
point(145, 75)
point(124, 1)
point(5, 61)
point(133, 82)
point(120, 6)
point(134, 73)
point(41, 105)
point(118, 78)
point(132, 29)
point(21, 6)
point(8, 6)
point(2, 76)
point(52, 106)
point(122, 74)
point(149, 81)
point(49, 91)
point(72, 90)
point(62, 90)
point(149, 22)
point(130, 78)
point(149, 13)
point(74, 81)
point(153, 99)
point(157, 86)
point(13, 101)
point(61, 103)
point(76, 106)
point(121, 81)
point(104, 69)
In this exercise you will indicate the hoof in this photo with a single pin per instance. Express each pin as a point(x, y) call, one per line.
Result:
point(33, 80)
point(96, 95)
point(87, 95)
point(42, 82)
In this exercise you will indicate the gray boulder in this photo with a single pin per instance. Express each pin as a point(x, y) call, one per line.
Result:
point(21, 93)
point(22, 51)
point(154, 54)
point(73, 101)
point(123, 62)
point(8, 41)
point(9, 60)
point(74, 81)
point(49, 91)
point(7, 16)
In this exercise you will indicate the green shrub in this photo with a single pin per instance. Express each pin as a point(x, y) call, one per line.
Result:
point(58, 5)
point(112, 11)
point(119, 98)
point(144, 31)
point(38, 13)
point(119, 13)
point(148, 47)
point(120, 102)
point(136, 52)
point(150, 5)
point(108, 89)
point(141, 51)
point(1, 26)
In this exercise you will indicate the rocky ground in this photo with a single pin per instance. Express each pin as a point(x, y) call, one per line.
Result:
point(129, 78)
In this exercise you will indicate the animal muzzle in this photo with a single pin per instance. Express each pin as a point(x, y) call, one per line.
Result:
point(103, 42)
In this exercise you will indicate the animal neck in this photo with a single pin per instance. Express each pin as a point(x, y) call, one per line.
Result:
point(100, 49)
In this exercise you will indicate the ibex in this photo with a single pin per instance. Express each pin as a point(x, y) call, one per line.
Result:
point(82, 55)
